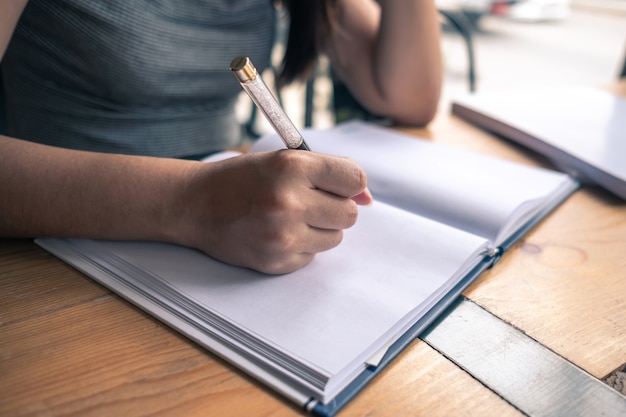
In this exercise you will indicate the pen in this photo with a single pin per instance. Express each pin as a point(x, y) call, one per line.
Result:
point(256, 88)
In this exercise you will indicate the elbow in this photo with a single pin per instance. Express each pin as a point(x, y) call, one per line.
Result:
point(418, 110)
point(413, 106)
point(416, 115)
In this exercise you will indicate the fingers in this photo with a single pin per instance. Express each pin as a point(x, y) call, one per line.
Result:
point(336, 175)
point(288, 250)
point(322, 210)
point(331, 188)
point(274, 211)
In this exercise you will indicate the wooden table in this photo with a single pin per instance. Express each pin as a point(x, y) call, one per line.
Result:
point(68, 346)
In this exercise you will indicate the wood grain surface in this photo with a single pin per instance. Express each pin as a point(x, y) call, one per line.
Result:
point(70, 347)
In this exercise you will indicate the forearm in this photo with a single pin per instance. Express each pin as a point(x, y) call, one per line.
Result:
point(268, 211)
point(10, 12)
point(389, 56)
point(47, 191)
point(408, 67)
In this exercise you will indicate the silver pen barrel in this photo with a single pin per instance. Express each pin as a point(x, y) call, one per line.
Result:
point(253, 84)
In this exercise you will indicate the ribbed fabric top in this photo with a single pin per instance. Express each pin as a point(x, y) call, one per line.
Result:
point(132, 76)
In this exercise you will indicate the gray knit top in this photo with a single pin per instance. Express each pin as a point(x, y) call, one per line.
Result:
point(132, 76)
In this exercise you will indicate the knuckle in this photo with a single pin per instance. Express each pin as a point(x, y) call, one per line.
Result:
point(274, 255)
point(283, 242)
point(274, 267)
point(288, 161)
point(278, 207)
point(278, 242)
point(281, 260)
point(285, 266)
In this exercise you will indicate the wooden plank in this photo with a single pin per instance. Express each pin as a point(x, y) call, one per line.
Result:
point(534, 379)
point(423, 383)
point(566, 285)
point(33, 282)
point(105, 357)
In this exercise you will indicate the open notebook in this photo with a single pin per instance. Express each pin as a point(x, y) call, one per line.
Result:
point(319, 334)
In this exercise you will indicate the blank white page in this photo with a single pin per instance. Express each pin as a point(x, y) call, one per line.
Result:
point(580, 128)
point(461, 188)
point(340, 305)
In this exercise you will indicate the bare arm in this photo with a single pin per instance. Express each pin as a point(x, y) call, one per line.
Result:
point(389, 56)
point(10, 12)
point(271, 211)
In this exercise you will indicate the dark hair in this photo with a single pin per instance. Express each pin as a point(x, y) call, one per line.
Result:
point(310, 26)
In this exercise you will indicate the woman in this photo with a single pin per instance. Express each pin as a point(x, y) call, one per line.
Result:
point(99, 89)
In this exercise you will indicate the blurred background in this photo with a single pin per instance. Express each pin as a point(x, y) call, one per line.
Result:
point(537, 41)
point(514, 42)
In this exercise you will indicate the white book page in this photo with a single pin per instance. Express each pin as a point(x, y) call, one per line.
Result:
point(581, 129)
point(583, 121)
point(474, 192)
point(342, 306)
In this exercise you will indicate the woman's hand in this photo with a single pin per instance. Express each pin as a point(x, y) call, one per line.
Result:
point(272, 211)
